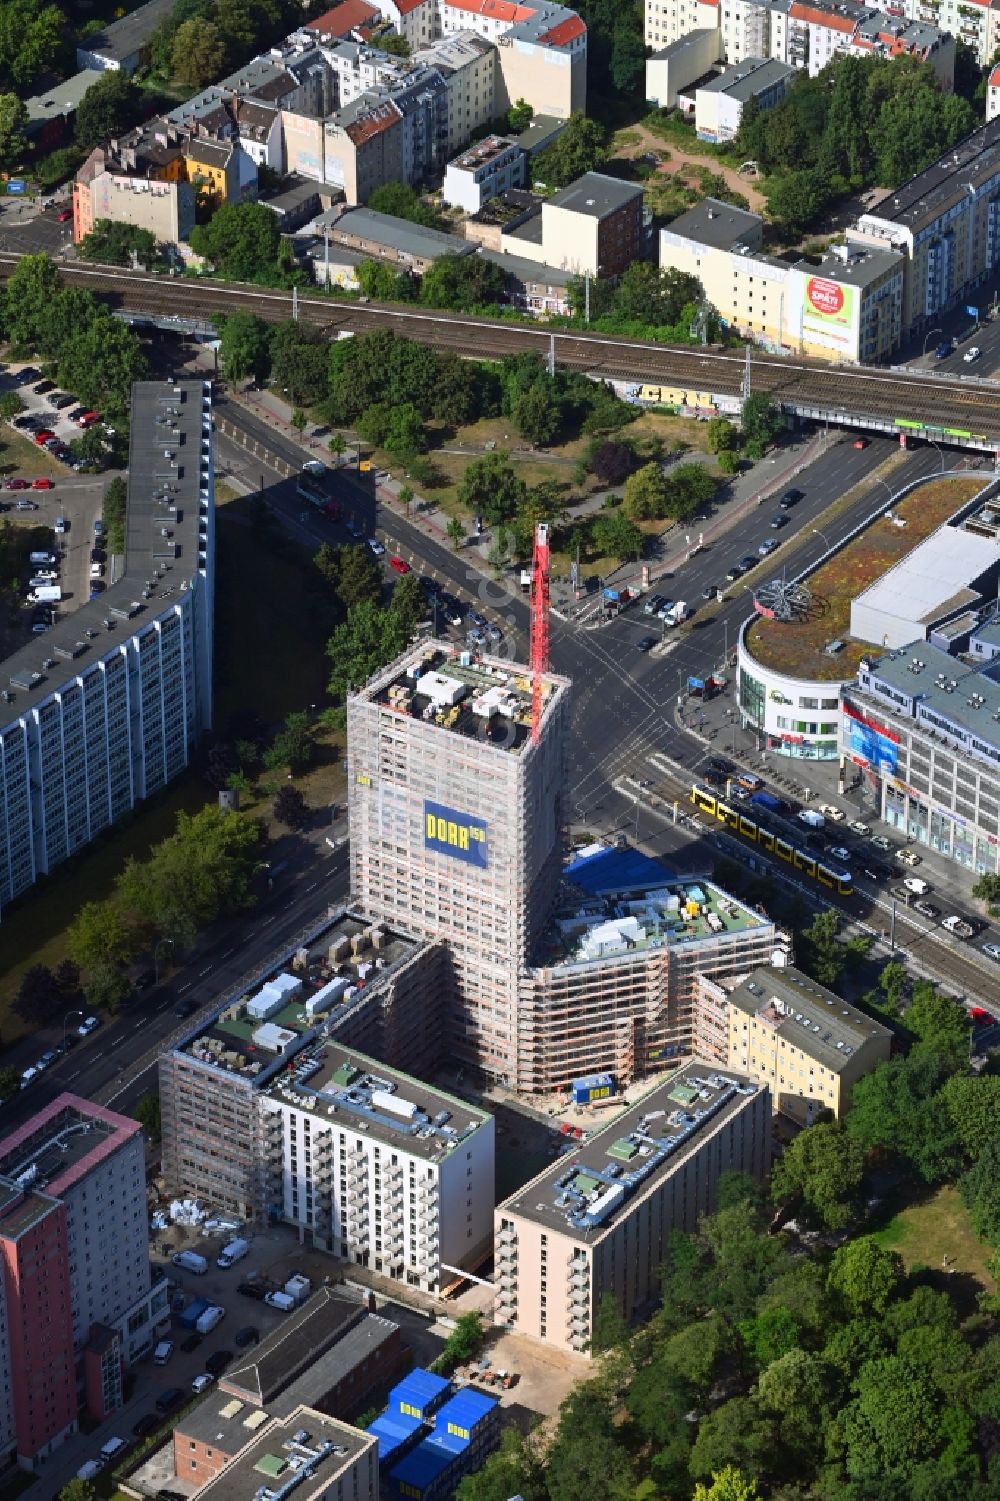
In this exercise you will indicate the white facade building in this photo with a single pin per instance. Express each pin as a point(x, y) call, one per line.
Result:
point(377, 1167)
point(488, 168)
point(109, 705)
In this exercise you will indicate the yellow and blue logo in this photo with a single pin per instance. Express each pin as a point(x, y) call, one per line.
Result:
point(455, 834)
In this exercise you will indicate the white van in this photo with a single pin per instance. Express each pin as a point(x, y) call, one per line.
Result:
point(281, 1301)
point(208, 1320)
point(89, 1470)
point(234, 1251)
point(190, 1261)
point(163, 1352)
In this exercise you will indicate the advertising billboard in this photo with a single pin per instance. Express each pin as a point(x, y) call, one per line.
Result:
point(828, 312)
point(872, 742)
point(455, 834)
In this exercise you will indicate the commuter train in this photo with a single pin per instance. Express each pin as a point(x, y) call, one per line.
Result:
point(803, 860)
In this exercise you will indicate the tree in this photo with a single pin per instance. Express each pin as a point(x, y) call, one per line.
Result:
point(769, 1335)
point(892, 1423)
point(658, 298)
point(107, 109)
point(299, 420)
point(101, 362)
point(456, 532)
point(244, 347)
point(491, 489)
point(579, 148)
point(980, 1191)
point(462, 283)
point(39, 999)
point(987, 888)
point(941, 1025)
point(290, 808)
point(244, 24)
point(728, 1484)
point(514, 1469)
point(737, 1432)
point(10, 1081)
point(402, 202)
point(408, 601)
point(299, 361)
point(383, 282)
point(406, 499)
point(896, 1107)
point(797, 199)
point(198, 54)
point(612, 462)
point(119, 244)
point(615, 536)
point(33, 39)
point(101, 934)
point(113, 508)
point(865, 1277)
point(359, 578)
point(586, 1457)
point(32, 289)
point(107, 988)
point(973, 1105)
point(822, 956)
point(722, 435)
point(406, 434)
point(823, 1167)
point(147, 1113)
point(519, 117)
point(760, 420)
point(645, 494)
point(537, 413)
point(628, 54)
point(13, 119)
point(78, 1490)
point(203, 870)
point(11, 402)
point(368, 639)
point(293, 747)
point(240, 239)
point(609, 1330)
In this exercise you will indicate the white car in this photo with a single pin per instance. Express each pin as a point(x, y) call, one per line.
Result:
point(993, 949)
point(60, 524)
point(972, 354)
point(29, 1076)
point(832, 813)
point(97, 570)
point(839, 852)
point(916, 885)
point(88, 1025)
point(857, 827)
point(202, 1383)
point(375, 546)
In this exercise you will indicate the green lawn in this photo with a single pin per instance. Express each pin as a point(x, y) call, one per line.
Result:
point(937, 1227)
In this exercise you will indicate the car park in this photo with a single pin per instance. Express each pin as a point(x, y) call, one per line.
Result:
point(645, 643)
point(399, 565)
point(789, 499)
point(927, 909)
point(971, 355)
point(832, 813)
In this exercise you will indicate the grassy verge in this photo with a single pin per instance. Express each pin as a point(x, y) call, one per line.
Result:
point(938, 1227)
point(22, 457)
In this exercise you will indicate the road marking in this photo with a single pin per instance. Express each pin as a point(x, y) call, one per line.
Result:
point(313, 886)
point(139, 1026)
point(267, 920)
point(204, 972)
point(71, 1077)
point(184, 987)
point(229, 953)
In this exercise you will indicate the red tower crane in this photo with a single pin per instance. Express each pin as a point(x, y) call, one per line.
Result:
point(539, 624)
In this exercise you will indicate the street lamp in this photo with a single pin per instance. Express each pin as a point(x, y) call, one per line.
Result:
point(66, 1021)
point(928, 339)
point(156, 957)
point(822, 537)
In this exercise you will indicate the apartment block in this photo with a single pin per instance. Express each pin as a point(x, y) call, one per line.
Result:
point(378, 1168)
point(791, 1034)
point(613, 982)
point(38, 1400)
point(317, 1457)
point(467, 63)
point(110, 706)
point(456, 825)
point(491, 167)
point(719, 104)
point(993, 94)
point(594, 227)
point(597, 1222)
point(363, 148)
point(945, 223)
point(848, 305)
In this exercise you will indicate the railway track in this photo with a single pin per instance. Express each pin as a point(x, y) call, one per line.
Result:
point(966, 410)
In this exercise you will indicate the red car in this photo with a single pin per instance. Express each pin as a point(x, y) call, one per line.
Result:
point(17, 484)
point(43, 437)
point(67, 213)
point(861, 442)
point(42, 484)
point(980, 1016)
point(398, 565)
point(88, 419)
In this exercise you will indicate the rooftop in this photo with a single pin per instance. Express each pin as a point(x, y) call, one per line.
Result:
point(481, 698)
point(811, 1018)
point(595, 195)
point(343, 19)
point(256, 1035)
point(749, 78)
point(338, 1083)
point(933, 580)
point(449, 53)
point(481, 153)
point(585, 1195)
point(170, 421)
point(127, 36)
point(62, 1143)
point(675, 49)
point(718, 224)
point(529, 272)
point(988, 631)
point(855, 265)
point(308, 1447)
point(20, 1208)
point(964, 168)
point(62, 99)
point(513, 204)
point(651, 912)
point(943, 692)
point(400, 235)
point(797, 647)
point(542, 131)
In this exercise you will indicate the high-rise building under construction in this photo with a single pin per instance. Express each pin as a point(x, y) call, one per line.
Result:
point(456, 825)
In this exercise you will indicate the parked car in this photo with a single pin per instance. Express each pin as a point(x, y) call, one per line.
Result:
point(64, 215)
point(927, 909)
point(192, 1342)
point(249, 1335)
point(41, 438)
point(98, 527)
point(217, 1362)
point(375, 546)
point(399, 565)
point(993, 949)
point(43, 387)
point(709, 591)
point(881, 843)
point(146, 1424)
point(62, 401)
point(26, 505)
point(253, 1290)
point(87, 419)
point(202, 1383)
point(170, 1399)
point(26, 376)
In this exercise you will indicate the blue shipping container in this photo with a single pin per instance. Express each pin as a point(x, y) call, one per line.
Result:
point(593, 1087)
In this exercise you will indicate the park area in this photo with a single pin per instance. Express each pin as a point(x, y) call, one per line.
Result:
point(797, 647)
point(934, 1232)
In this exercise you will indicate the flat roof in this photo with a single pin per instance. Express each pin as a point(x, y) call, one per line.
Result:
point(326, 1451)
point(128, 34)
point(595, 194)
point(968, 165)
point(938, 575)
point(506, 206)
point(542, 131)
point(21, 1208)
point(399, 234)
point(797, 647)
point(674, 49)
point(988, 631)
point(343, 1086)
point(941, 686)
point(744, 81)
point(65, 1141)
point(233, 1038)
point(712, 222)
point(528, 271)
point(862, 266)
point(811, 1018)
point(481, 698)
point(586, 1194)
point(63, 98)
point(481, 153)
point(163, 496)
point(650, 914)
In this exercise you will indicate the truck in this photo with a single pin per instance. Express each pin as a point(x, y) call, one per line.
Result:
point(958, 927)
point(42, 559)
point(677, 613)
point(767, 800)
point(45, 594)
point(234, 1251)
point(311, 486)
point(812, 818)
point(189, 1316)
point(190, 1261)
point(525, 580)
point(208, 1320)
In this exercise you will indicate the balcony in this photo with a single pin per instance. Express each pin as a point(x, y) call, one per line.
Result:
point(507, 1236)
